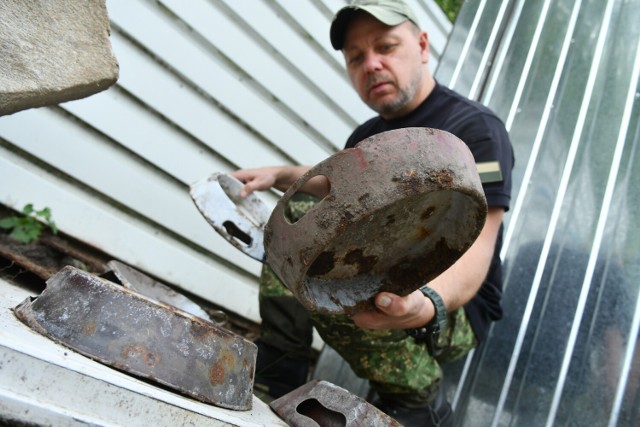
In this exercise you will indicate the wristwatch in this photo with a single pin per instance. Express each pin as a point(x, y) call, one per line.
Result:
point(429, 333)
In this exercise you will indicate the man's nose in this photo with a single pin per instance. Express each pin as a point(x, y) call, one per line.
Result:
point(372, 62)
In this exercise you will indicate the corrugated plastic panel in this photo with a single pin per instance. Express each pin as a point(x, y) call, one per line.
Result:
point(564, 76)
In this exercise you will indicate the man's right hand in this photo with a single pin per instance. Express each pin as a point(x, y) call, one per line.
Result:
point(280, 178)
point(260, 179)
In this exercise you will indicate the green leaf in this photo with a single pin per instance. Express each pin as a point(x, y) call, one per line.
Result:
point(44, 214)
point(7, 223)
point(28, 208)
point(27, 233)
point(27, 227)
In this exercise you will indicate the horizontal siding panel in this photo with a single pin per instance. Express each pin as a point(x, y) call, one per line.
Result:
point(163, 92)
point(119, 116)
point(314, 22)
point(327, 75)
point(173, 45)
point(261, 65)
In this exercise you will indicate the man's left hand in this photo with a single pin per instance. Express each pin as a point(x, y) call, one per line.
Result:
point(395, 312)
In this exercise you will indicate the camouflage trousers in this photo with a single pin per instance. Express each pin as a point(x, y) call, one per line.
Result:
point(397, 368)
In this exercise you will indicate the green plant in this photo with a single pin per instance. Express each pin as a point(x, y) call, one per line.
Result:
point(27, 227)
point(450, 8)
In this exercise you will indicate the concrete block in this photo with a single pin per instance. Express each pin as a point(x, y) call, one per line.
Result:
point(53, 51)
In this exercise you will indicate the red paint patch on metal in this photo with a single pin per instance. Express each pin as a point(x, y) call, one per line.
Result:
point(362, 161)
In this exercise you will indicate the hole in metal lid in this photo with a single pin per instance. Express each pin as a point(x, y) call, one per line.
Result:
point(234, 231)
point(324, 416)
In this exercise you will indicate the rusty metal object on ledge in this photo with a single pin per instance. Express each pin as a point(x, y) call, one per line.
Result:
point(130, 332)
point(321, 403)
point(145, 285)
point(403, 206)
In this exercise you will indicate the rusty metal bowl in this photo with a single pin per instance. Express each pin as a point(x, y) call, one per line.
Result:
point(404, 205)
point(130, 332)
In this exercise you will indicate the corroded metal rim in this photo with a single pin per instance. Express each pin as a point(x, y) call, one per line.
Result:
point(404, 205)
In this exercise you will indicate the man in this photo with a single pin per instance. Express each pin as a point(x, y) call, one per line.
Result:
point(386, 56)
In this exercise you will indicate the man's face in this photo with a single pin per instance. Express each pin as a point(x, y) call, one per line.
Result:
point(386, 64)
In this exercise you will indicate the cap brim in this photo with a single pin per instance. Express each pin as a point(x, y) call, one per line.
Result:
point(345, 15)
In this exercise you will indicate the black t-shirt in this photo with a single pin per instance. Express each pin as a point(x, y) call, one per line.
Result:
point(488, 140)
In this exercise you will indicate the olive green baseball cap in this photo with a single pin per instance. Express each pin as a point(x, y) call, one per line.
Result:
point(389, 12)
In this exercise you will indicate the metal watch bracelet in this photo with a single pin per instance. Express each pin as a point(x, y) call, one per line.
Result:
point(429, 333)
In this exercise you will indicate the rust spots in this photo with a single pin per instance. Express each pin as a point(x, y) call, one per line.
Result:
point(363, 263)
point(322, 222)
point(247, 367)
point(423, 233)
point(417, 271)
point(343, 223)
point(341, 227)
point(138, 351)
point(200, 331)
point(324, 263)
point(409, 183)
point(121, 366)
point(90, 328)
point(347, 216)
point(151, 359)
point(217, 373)
point(413, 182)
point(407, 272)
point(443, 178)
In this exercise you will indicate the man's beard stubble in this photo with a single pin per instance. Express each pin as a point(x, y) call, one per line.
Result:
point(403, 97)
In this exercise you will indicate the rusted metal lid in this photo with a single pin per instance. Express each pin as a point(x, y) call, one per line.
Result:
point(321, 403)
point(239, 220)
point(404, 205)
point(130, 332)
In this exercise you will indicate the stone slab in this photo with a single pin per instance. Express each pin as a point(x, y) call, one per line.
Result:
point(53, 51)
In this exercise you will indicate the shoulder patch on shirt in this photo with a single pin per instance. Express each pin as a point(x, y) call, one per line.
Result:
point(489, 171)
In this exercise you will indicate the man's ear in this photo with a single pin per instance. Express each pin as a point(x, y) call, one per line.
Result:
point(424, 46)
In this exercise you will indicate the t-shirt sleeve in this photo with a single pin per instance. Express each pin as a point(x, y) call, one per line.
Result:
point(489, 142)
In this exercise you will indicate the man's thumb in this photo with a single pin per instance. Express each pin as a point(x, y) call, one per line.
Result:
point(383, 301)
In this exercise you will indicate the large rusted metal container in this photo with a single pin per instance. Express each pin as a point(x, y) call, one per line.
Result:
point(130, 332)
point(404, 205)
